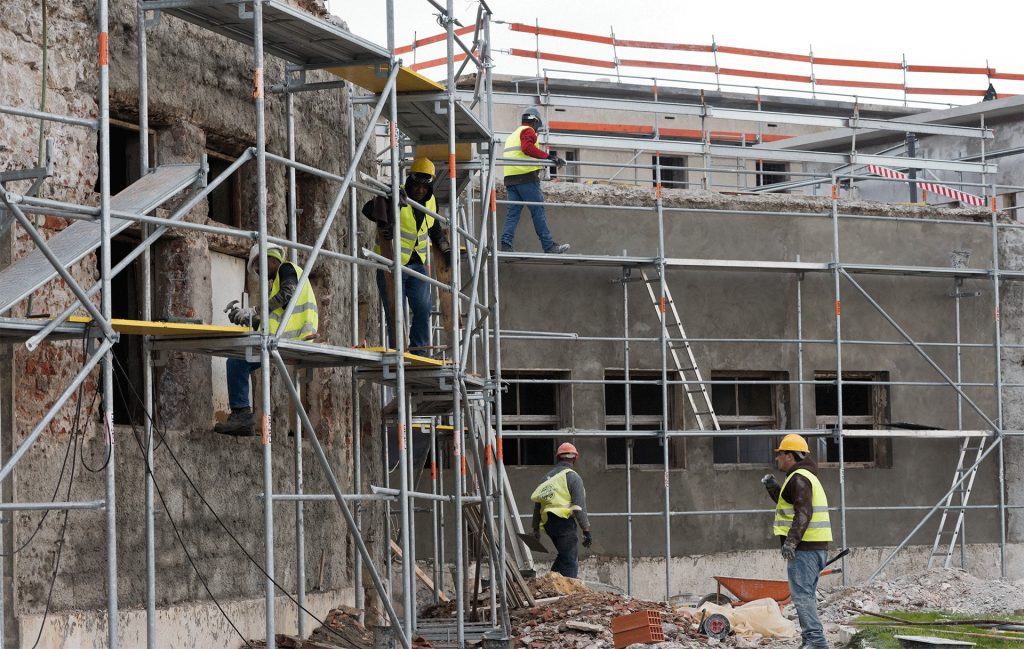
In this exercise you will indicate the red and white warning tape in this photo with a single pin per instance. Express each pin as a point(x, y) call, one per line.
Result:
point(949, 192)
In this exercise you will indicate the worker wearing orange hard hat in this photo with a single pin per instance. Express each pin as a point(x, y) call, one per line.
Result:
point(804, 530)
point(560, 506)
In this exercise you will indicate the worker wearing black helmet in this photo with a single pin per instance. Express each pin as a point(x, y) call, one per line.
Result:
point(522, 180)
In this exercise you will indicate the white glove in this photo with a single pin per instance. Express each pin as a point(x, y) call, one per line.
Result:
point(769, 481)
point(242, 317)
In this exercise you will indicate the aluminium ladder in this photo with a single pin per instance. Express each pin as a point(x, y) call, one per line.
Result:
point(694, 386)
point(963, 492)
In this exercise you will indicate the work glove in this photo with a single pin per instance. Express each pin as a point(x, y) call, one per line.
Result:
point(587, 539)
point(243, 317)
point(769, 481)
point(789, 550)
point(553, 157)
point(445, 257)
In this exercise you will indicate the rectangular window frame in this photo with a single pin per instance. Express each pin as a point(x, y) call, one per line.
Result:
point(778, 420)
point(880, 418)
point(560, 420)
point(677, 445)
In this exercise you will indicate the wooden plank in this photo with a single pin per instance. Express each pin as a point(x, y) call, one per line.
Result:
point(422, 576)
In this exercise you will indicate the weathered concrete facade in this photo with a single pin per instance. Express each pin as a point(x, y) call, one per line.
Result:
point(200, 102)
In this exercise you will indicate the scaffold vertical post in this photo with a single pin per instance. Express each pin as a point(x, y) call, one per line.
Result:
point(839, 364)
point(998, 382)
point(626, 387)
point(663, 345)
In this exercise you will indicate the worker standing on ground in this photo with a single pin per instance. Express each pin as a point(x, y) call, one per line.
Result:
point(418, 229)
point(301, 325)
point(803, 527)
point(523, 183)
point(561, 504)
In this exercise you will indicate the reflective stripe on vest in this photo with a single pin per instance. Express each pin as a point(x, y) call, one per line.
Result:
point(819, 528)
point(414, 240)
point(514, 149)
point(305, 318)
point(553, 496)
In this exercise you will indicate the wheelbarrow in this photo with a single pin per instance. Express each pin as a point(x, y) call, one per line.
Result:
point(747, 590)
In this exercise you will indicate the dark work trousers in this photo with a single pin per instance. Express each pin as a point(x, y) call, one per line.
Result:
point(563, 533)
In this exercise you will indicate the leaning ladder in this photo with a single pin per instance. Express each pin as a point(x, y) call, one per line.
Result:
point(963, 492)
point(694, 386)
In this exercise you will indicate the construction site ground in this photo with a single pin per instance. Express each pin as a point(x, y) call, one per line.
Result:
point(571, 615)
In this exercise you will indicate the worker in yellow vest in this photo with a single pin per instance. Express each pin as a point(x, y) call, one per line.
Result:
point(804, 531)
point(522, 180)
point(302, 325)
point(560, 505)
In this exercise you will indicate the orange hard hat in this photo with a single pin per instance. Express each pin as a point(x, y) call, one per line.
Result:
point(567, 449)
point(793, 442)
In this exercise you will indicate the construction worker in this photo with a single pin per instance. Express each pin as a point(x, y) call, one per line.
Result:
point(416, 226)
point(561, 505)
point(804, 531)
point(301, 325)
point(523, 183)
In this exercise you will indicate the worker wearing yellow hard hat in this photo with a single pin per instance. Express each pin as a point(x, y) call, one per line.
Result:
point(804, 530)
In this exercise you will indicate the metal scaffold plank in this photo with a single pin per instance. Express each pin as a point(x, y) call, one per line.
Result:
point(374, 77)
point(21, 278)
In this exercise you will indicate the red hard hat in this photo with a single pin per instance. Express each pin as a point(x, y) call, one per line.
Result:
point(566, 449)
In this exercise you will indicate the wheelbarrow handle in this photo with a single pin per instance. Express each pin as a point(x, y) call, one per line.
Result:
point(839, 556)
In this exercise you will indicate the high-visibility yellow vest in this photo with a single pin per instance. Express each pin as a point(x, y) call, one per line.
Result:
point(820, 528)
point(553, 496)
point(305, 319)
point(514, 149)
point(413, 238)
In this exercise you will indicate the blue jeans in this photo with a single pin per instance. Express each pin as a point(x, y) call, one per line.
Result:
point(238, 382)
point(803, 572)
point(531, 193)
point(417, 294)
point(563, 534)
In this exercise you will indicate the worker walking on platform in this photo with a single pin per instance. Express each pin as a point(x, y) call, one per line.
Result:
point(804, 530)
point(301, 325)
point(561, 505)
point(418, 228)
point(523, 183)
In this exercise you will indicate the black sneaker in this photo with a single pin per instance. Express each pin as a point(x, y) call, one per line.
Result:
point(557, 249)
point(505, 247)
point(241, 423)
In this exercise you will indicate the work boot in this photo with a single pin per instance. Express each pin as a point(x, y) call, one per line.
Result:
point(240, 424)
point(557, 249)
point(505, 247)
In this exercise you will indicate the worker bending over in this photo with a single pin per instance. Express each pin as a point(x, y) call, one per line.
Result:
point(301, 325)
point(803, 527)
point(561, 504)
point(417, 229)
point(523, 183)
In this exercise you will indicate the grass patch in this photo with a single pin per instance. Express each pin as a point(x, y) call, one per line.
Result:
point(879, 634)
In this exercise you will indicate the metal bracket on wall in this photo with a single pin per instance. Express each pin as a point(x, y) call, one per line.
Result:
point(155, 20)
point(243, 14)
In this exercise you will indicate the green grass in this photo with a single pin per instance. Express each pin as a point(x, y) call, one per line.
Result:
point(881, 637)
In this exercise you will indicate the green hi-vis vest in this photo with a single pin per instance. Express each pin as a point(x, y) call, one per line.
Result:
point(413, 239)
point(819, 529)
point(514, 149)
point(553, 496)
point(305, 318)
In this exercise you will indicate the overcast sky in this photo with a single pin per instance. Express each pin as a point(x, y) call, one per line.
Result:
point(939, 32)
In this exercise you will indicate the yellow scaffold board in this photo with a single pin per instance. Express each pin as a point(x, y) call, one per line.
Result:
point(414, 359)
point(178, 329)
point(439, 152)
point(373, 78)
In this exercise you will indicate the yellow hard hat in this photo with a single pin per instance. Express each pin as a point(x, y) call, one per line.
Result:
point(423, 166)
point(793, 442)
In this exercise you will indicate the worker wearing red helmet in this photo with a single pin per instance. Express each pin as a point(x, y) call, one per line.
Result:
point(804, 530)
point(561, 505)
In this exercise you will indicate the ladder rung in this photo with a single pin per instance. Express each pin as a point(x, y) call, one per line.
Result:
point(688, 390)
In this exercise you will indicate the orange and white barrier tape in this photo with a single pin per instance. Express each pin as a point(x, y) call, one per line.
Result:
point(949, 192)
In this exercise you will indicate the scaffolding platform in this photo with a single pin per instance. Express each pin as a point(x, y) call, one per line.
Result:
point(21, 278)
point(245, 344)
point(18, 330)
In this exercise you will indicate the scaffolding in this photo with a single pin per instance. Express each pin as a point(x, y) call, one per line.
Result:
point(455, 398)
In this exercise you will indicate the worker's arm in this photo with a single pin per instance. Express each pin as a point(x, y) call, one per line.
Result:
point(439, 236)
point(798, 492)
point(289, 281)
point(528, 144)
point(579, 499)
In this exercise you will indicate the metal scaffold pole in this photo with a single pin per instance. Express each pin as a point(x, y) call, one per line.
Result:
point(839, 367)
point(664, 343)
point(357, 438)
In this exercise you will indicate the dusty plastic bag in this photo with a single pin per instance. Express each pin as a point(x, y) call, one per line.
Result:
point(709, 608)
point(763, 617)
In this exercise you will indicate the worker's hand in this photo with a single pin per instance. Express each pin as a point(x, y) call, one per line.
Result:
point(789, 550)
point(232, 310)
point(553, 157)
point(769, 481)
point(243, 317)
point(587, 539)
point(445, 258)
point(401, 197)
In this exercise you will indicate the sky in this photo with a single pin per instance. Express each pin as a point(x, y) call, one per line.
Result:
point(939, 32)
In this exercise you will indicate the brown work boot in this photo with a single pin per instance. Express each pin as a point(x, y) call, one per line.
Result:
point(241, 423)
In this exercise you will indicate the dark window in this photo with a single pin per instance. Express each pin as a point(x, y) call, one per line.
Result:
point(770, 173)
point(124, 158)
point(646, 398)
point(747, 406)
point(128, 351)
point(528, 405)
point(570, 173)
point(224, 204)
point(865, 407)
point(671, 176)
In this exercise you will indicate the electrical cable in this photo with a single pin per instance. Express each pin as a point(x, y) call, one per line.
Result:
point(166, 445)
